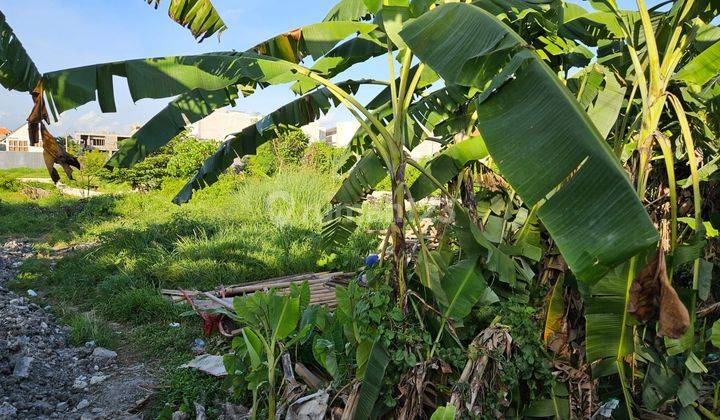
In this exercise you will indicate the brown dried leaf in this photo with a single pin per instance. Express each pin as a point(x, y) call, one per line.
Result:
point(645, 290)
point(651, 294)
point(53, 154)
point(674, 316)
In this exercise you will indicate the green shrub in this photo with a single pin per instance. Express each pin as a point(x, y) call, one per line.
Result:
point(92, 170)
point(322, 157)
point(180, 158)
point(9, 184)
point(187, 156)
point(285, 151)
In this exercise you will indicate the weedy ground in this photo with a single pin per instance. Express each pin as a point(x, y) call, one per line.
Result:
point(134, 244)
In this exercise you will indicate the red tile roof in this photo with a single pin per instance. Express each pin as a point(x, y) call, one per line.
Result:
point(4, 131)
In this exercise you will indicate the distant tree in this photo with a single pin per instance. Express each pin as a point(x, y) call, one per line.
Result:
point(286, 150)
point(93, 168)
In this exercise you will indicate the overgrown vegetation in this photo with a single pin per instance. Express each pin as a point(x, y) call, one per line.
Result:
point(577, 174)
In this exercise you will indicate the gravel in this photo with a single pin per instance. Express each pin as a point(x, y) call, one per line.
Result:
point(41, 376)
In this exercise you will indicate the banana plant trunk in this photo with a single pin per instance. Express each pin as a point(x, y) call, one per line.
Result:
point(398, 230)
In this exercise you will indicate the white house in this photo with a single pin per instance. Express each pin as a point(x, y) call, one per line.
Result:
point(339, 136)
point(222, 123)
point(19, 141)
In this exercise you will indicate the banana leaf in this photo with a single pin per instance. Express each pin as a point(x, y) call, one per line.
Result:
point(297, 113)
point(444, 413)
point(161, 77)
point(362, 179)
point(543, 142)
point(462, 287)
point(190, 107)
point(199, 16)
point(601, 95)
point(607, 324)
point(348, 10)
point(447, 165)
point(339, 225)
point(372, 381)
point(341, 58)
point(270, 62)
point(17, 69)
point(702, 68)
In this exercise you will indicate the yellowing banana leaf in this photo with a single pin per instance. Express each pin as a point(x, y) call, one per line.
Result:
point(555, 315)
point(545, 145)
point(447, 164)
point(199, 16)
point(17, 70)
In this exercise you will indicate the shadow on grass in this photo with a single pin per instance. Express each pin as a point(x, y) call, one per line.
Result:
point(55, 219)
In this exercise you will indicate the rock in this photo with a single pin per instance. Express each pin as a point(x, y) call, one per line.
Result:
point(41, 376)
point(32, 293)
point(200, 412)
point(96, 379)
point(80, 383)
point(103, 353)
point(180, 415)
point(232, 412)
point(90, 344)
point(7, 411)
point(22, 367)
point(174, 325)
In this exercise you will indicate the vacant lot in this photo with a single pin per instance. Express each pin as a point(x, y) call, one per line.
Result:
point(101, 261)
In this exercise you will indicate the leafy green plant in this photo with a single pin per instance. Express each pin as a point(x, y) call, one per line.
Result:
point(286, 150)
point(93, 168)
point(270, 324)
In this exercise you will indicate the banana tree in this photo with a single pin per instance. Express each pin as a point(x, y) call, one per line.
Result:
point(467, 46)
point(459, 74)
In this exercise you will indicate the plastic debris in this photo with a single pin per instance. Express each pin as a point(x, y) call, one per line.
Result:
point(208, 363)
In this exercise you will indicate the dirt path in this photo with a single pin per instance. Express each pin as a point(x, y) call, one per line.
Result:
point(41, 377)
point(75, 192)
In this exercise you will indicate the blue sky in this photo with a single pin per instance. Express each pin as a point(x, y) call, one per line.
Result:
point(61, 34)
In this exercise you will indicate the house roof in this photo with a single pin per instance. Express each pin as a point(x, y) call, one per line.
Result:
point(4, 131)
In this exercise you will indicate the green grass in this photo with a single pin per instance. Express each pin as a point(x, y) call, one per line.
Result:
point(242, 229)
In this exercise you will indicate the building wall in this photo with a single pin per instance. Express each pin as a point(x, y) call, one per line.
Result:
point(19, 141)
point(105, 142)
point(425, 149)
point(343, 133)
point(222, 123)
point(11, 160)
